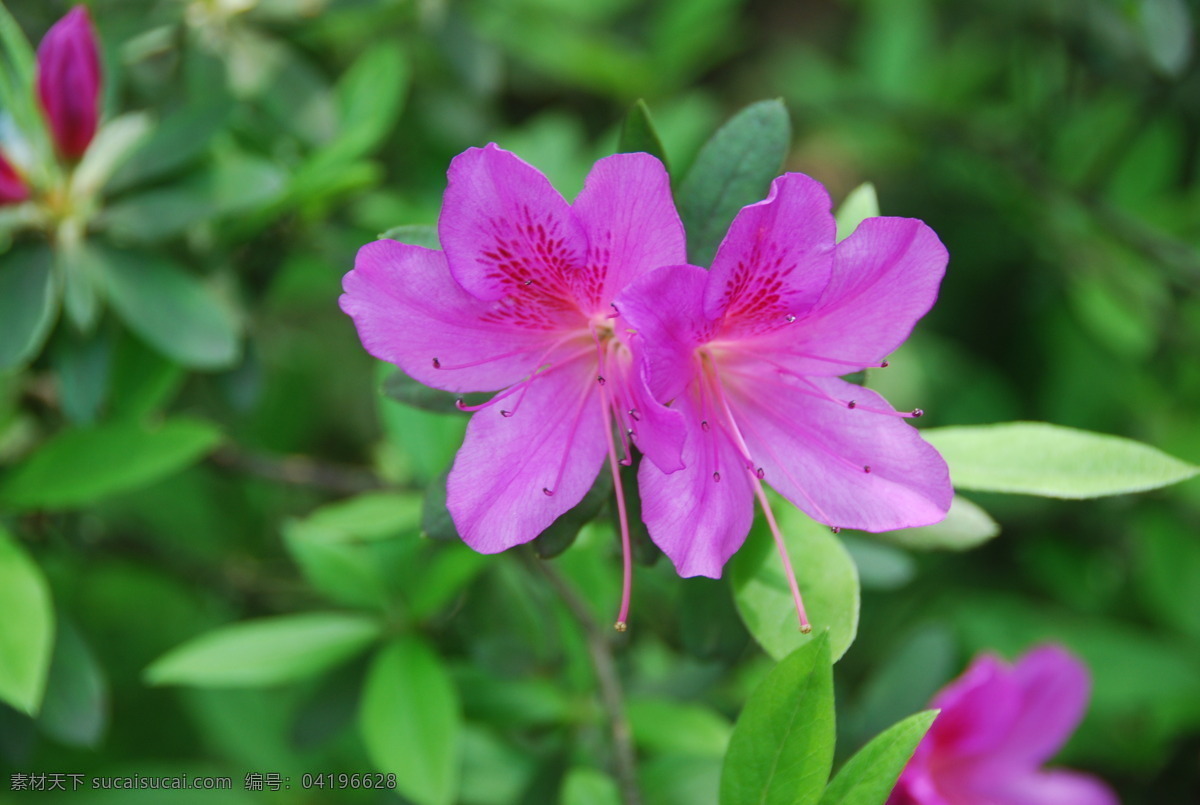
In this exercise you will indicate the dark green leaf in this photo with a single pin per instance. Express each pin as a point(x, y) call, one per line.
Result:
point(28, 304)
point(781, 750)
point(402, 388)
point(142, 380)
point(410, 721)
point(179, 138)
point(561, 534)
point(26, 628)
point(638, 134)
point(267, 651)
point(82, 366)
point(735, 168)
point(435, 519)
point(75, 710)
point(77, 467)
point(172, 310)
point(869, 777)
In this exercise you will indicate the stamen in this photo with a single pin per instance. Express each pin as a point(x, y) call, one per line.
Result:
point(562, 466)
point(600, 379)
point(704, 425)
point(717, 476)
point(437, 364)
point(837, 529)
point(634, 415)
point(615, 312)
point(547, 492)
point(867, 468)
point(761, 473)
point(781, 546)
point(622, 518)
point(790, 318)
point(528, 283)
point(522, 387)
point(917, 413)
point(884, 364)
point(852, 404)
point(504, 413)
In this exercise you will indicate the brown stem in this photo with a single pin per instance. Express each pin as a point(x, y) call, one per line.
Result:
point(611, 696)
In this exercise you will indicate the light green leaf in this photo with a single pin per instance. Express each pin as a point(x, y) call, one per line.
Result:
point(869, 777)
point(781, 750)
point(861, 204)
point(666, 727)
point(966, 526)
point(267, 651)
point(26, 628)
point(880, 567)
point(75, 711)
point(28, 304)
point(114, 144)
point(79, 272)
point(585, 786)
point(1168, 31)
point(172, 310)
point(410, 721)
point(415, 235)
point(1036, 458)
point(733, 169)
point(638, 134)
point(369, 97)
point(77, 467)
point(828, 583)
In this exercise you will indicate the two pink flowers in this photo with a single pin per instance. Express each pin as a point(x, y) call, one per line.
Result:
point(68, 83)
point(602, 343)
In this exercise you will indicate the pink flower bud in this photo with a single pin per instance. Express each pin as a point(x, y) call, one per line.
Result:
point(68, 81)
point(12, 188)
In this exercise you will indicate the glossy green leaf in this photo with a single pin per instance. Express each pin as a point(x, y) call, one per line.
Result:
point(76, 708)
point(82, 366)
point(735, 168)
point(175, 312)
point(77, 467)
point(410, 721)
point(826, 574)
point(638, 134)
point(966, 525)
point(861, 204)
point(28, 304)
point(781, 750)
point(1036, 458)
point(26, 628)
point(267, 651)
point(869, 777)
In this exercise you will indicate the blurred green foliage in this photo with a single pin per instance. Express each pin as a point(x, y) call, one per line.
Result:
point(213, 556)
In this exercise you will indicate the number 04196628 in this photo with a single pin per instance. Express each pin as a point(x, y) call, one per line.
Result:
point(330, 780)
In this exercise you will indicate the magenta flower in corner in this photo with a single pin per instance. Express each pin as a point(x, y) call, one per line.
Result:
point(12, 187)
point(998, 725)
point(751, 353)
point(519, 301)
point(68, 82)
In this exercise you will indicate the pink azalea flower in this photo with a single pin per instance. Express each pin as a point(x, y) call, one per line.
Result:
point(68, 81)
point(998, 725)
point(520, 300)
point(750, 352)
point(12, 187)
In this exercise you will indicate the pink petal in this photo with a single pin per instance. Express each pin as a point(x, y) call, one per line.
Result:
point(1054, 689)
point(12, 187)
point(68, 81)
point(632, 227)
point(697, 521)
point(409, 311)
point(885, 277)
point(495, 489)
point(508, 235)
point(775, 260)
point(665, 310)
point(1055, 787)
point(659, 432)
point(815, 453)
point(977, 711)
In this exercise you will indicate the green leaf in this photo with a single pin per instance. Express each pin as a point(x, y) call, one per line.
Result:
point(638, 134)
point(585, 786)
point(28, 304)
point(562, 533)
point(75, 711)
point(435, 519)
point(414, 235)
point(861, 204)
point(369, 97)
point(665, 727)
point(733, 169)
point(966, 526)
point(1167, 30)
point(267, 651)
point(1036, 458)
point(179, 138)
point(172, 310)
point(869, 777)
point(82, 366)
point(410, 721)
point(828, 583)
point(402, 388)
point(26, 629)
point(781, 750)
point(78, 467)
point(115, 142)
